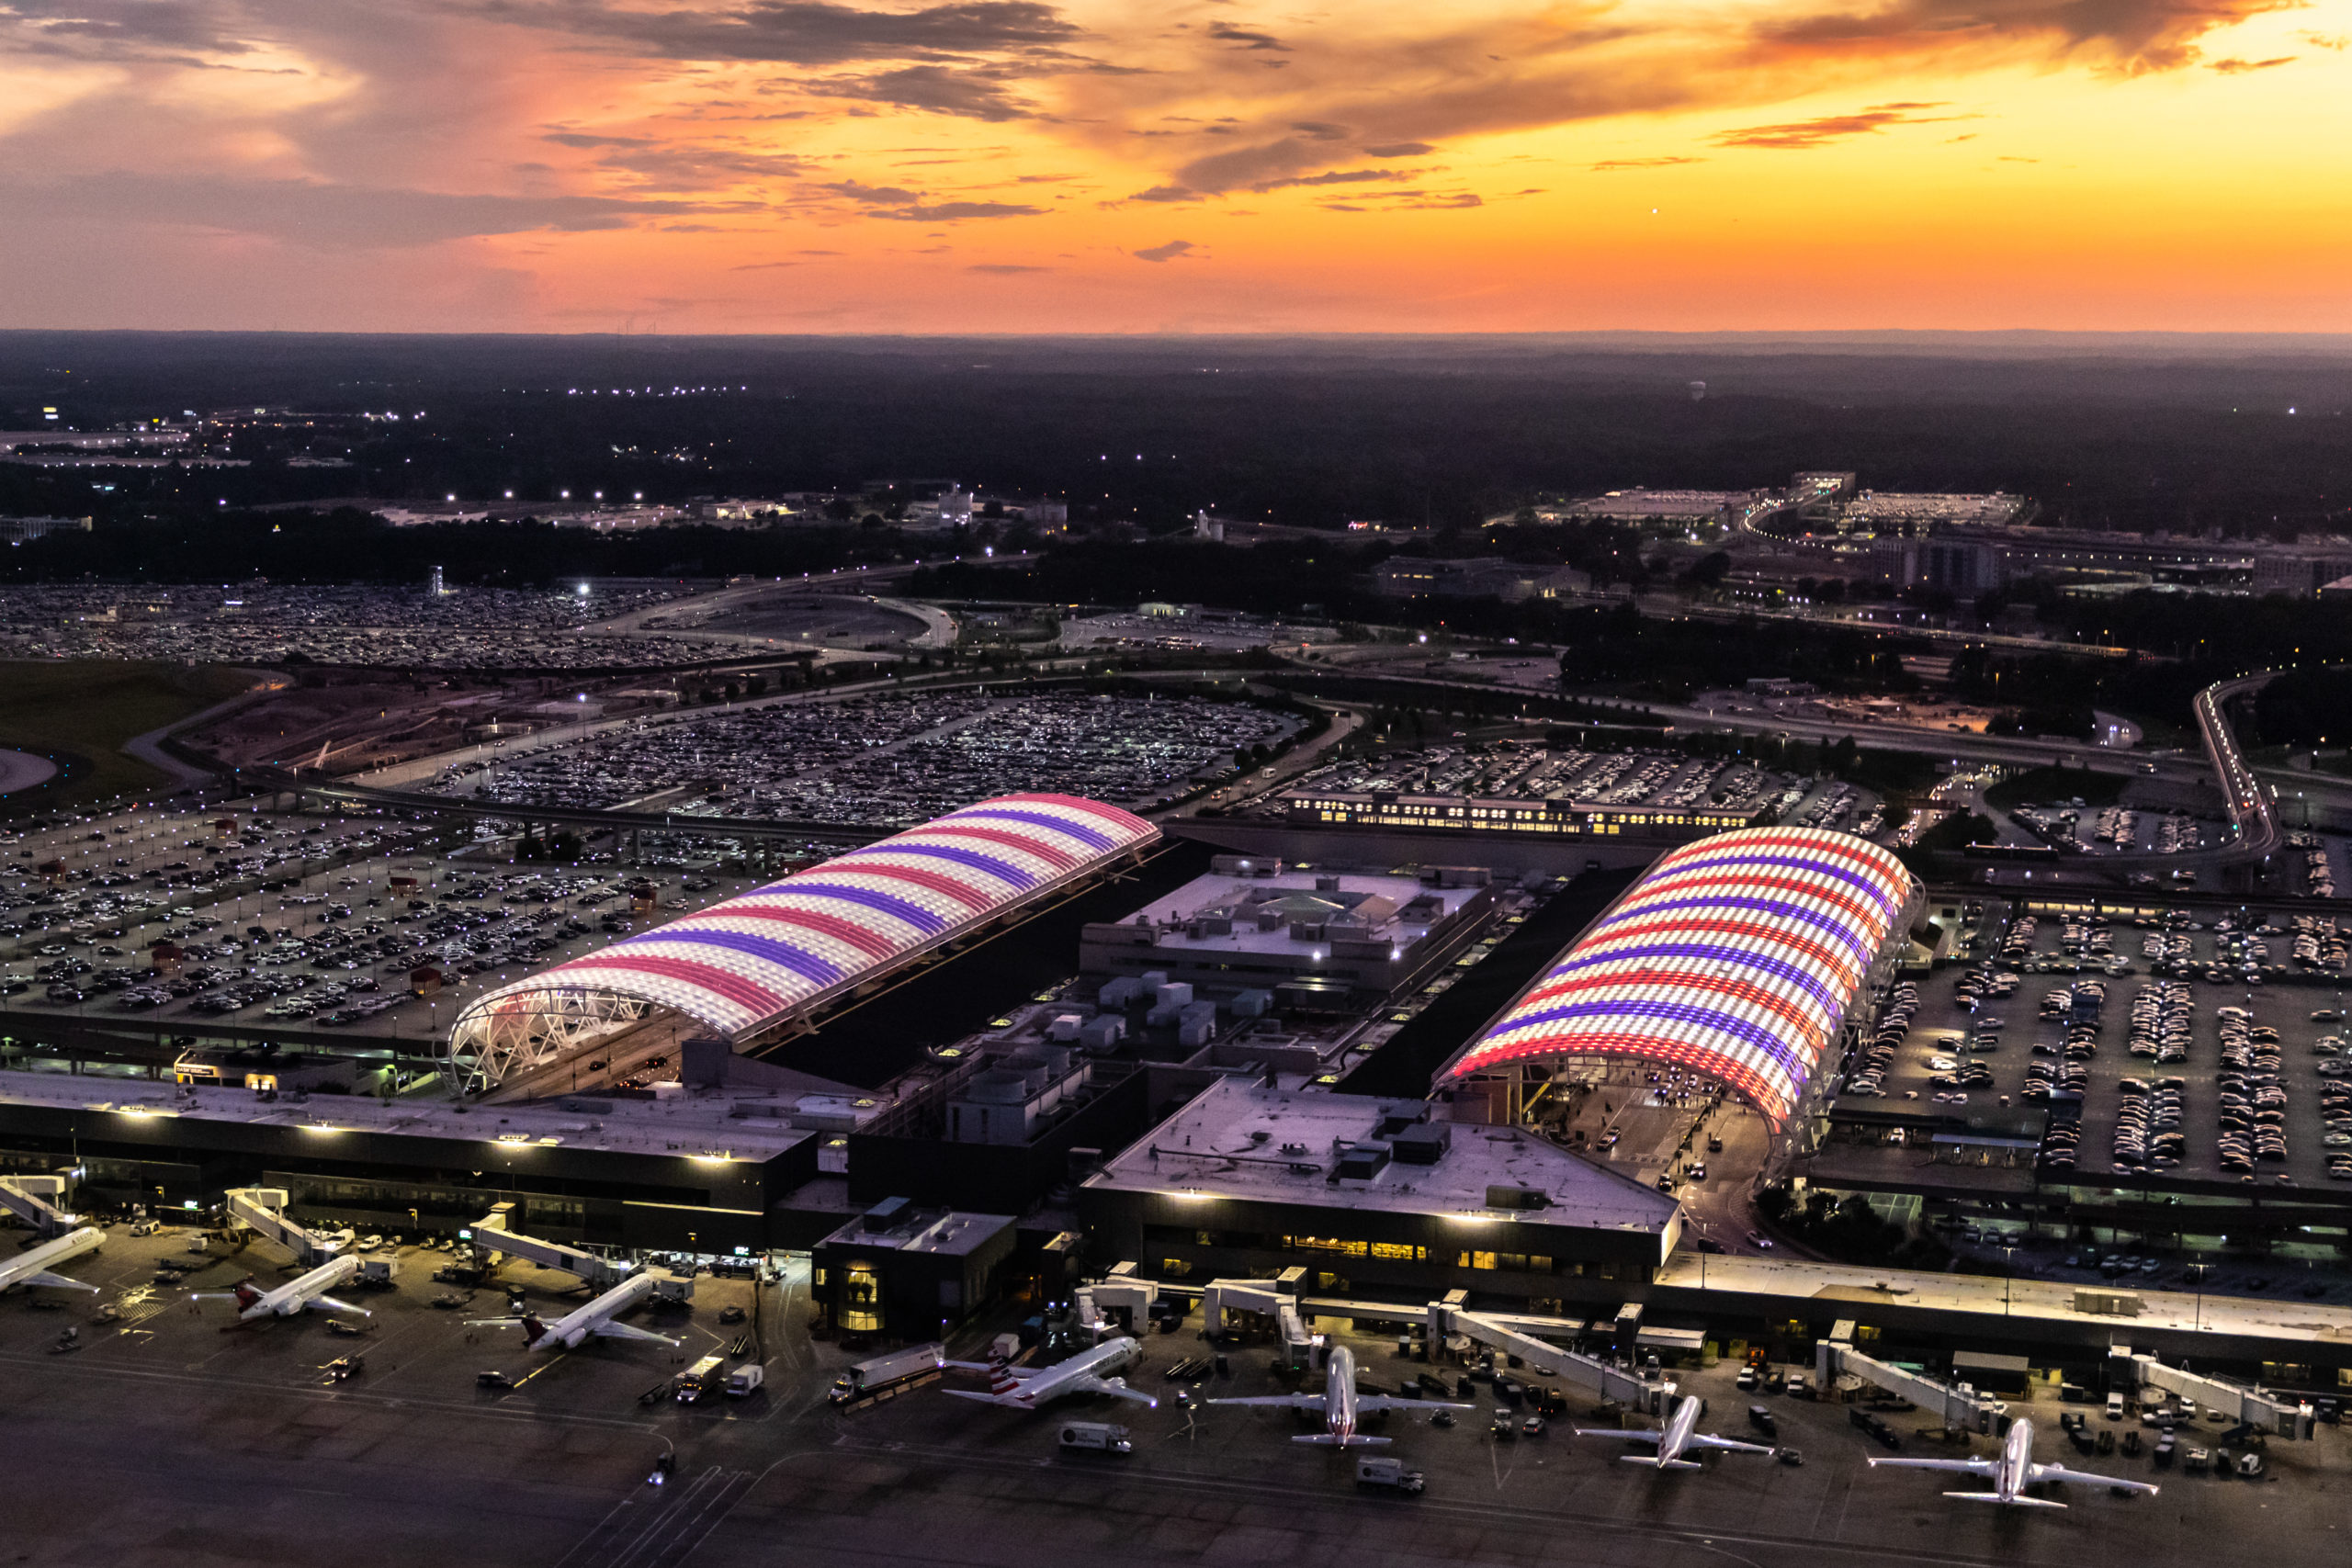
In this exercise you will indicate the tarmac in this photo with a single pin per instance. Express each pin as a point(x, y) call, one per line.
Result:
point(168, 1441)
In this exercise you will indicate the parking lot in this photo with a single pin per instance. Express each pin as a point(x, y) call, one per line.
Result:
point(889, 759)
point(469, 628)
point(2170, 1049)
point(164, 1439)
point(1599, 776)
point(296, 921)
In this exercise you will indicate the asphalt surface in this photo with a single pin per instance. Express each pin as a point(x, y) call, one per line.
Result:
point(176, 1444)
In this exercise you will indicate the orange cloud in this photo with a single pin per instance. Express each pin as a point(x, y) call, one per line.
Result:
point(520, 162)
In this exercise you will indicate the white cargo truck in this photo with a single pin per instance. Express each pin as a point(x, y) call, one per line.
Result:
point(745, 1378)
point(881, 1374)
point(1388, 1472)
point(1097, 1437)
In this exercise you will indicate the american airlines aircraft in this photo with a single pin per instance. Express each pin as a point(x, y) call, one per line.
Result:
point(566, 1332)
point(2014, 1471)
point(1340, 1404)
point(1027, 1388)
point(1673, 1442)
point(30, 1266)
point(307, 1293)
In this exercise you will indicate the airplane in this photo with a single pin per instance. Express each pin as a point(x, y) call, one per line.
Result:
point(30, 1266)
point(1340, 1404)
point(2014, 1471)
point(1677, 1439)
point(1028, 1388)
point(307, 1293)
point(566, 1332)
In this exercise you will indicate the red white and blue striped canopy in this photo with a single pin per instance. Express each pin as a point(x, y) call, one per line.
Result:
point(749, 960)
point(1736, 955)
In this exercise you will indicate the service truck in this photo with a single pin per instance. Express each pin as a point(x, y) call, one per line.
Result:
point(704, 1376)
point(1097, 1437)
point(745, 1378)
point(877, 1374)
point(1388, 1472)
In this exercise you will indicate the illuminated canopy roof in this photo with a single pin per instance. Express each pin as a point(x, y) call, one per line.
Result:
point(1736, 955)
point(751, 961)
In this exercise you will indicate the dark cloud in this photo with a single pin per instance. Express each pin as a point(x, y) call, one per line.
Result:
point(682, 167)
point(953, 211)
point(1399, 149)
point(1248, 38)
point(968, 93)
point(1247, 166)
point(1800, 134)
point(1167, 252)
point(176, 32)
point(1166, 193)
point(1334, 177)
point(320, 215)
point(882, 196)
point(582, 138)
point(1405, 200)
point(2239, 67)
point(907, 206)
point(2148, 35)
point(1322, 131)
point(813, 32)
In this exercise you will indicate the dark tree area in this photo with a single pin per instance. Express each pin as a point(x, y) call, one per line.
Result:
point(1301, 431)
point(2303, 708)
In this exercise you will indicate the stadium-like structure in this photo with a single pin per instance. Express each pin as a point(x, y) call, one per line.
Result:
point(748, 964)
point(1740, 957)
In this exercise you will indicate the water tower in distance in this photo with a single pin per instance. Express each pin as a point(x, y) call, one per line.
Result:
point(1698, 391)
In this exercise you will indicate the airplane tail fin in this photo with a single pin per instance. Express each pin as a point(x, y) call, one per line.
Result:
point(533, 1332)
point(1334, 1440)
point(1656, 1463)
point(2020, 1501)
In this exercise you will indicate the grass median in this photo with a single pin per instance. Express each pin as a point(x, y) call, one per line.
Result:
point(84, 709)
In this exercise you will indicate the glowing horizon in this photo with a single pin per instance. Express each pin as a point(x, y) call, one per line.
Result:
point(1014, 165)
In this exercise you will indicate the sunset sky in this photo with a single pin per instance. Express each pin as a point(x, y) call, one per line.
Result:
point(1102, 165)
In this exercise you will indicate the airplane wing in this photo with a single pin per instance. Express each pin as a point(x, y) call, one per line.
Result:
point(1116, 1387)
point(1006, 1400)
point(1957, 1466)
point(612, 1330)
point(1627, 1433)
point(1382, 1402)
point(59, 1281)
point(1702, 1440)
point(331, 1305)
point(494, 1323)
point(1286, 1401)
point(994, 1369)
point(2060, 1472)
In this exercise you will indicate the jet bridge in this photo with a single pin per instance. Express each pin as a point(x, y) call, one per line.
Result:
point(1514, 1333)
point(2276, 1415)
point(491, 1236)
point(263, 1209)
point(27, 1198)
point(1277, 1299)
point(1962, 1409)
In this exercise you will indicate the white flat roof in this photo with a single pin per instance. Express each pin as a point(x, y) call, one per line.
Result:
point(1297, 894)
point(1209, 1149)
point(686, 1127)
